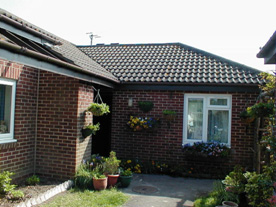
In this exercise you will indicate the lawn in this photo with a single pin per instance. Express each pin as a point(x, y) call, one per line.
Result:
point(78, 198)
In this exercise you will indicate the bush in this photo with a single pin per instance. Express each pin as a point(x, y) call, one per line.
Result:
point(33, 180)
point(216, 197)
point(83, 178)
point(15, 195)
point(5, 182)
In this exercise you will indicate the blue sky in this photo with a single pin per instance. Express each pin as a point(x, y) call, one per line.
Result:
point(233, 29)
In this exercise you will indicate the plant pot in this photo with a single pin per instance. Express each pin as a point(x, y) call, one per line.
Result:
point(112, 180)
point(229, 204)
point(125, 181)
point(100, 184)
point(169, 117)
point(86, 132)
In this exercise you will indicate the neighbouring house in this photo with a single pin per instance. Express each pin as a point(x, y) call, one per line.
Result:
point(46, 84)
point(268, 52)
point(207, 92)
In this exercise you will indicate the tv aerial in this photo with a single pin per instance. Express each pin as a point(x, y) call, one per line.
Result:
point(91, 35)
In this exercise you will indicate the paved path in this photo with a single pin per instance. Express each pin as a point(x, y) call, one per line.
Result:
point(165, 191)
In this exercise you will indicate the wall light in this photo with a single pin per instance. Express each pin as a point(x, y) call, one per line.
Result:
point(130, 102)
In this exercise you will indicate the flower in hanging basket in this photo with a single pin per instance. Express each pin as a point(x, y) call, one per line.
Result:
point(140, 123)
point(145, 106)
point(90, 129)
point(99, 109)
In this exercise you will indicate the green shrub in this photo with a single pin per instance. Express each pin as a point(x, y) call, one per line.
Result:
point(216, 197)
point(15, 195)
point(83, 178)
point(259, 189)
point(5, 182)
point(33, 180)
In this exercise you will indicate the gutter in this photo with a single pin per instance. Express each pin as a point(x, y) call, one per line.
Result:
point(46, 58)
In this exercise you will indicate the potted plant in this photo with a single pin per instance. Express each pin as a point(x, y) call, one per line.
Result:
point(90, 129)
point(145, 106)
point(111, 167)
point(125, 178)
point(141, 123)
point(98, 109)
point(99, 179)
point(169, 115)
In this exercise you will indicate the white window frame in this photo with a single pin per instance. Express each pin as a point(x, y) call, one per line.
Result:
point(206, 106)
point(9, 137)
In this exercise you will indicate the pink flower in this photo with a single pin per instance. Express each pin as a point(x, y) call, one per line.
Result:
point(272, 200)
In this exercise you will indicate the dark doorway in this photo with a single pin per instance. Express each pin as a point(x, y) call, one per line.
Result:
point(101, 142)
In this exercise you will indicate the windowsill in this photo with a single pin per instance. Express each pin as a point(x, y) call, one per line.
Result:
point(8, 144)
point(8, 141)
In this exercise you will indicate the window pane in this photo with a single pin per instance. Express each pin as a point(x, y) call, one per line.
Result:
point(218, 123)
point(218, 101)
point(195, 118)
point(5, 108)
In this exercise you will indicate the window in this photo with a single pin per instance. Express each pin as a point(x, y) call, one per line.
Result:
point(207, 118)
point(7, 105)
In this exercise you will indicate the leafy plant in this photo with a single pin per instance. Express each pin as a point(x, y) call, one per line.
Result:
point(259, 189)
point(111, 164)
point(235, 181)
point(90, 129)
point(169, 112)
point(216, 197)
point(5, 182)
point(97, 172)
point(126, 173)
point(33, 180)
point(261, 109)
point(83, 177)
point(145, 106)
point(99, 109)
point(15, 195)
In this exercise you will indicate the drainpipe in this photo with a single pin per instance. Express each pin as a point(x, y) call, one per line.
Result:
point(36, 119)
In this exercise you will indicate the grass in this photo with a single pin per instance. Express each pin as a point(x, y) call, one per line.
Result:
point(77, 198)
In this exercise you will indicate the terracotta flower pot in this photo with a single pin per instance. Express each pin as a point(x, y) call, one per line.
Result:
point(112, 180)
point(100, 184)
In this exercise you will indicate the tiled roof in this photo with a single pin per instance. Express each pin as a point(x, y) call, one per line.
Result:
point(63, 47)
point(169, 63)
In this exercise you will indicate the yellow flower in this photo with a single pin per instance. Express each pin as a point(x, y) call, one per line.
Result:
point(129, 169)
point(129, 161)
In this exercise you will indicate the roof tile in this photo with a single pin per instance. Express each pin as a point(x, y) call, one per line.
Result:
point(170, 62)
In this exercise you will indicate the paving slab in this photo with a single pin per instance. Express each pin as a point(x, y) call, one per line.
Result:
point(165, 191)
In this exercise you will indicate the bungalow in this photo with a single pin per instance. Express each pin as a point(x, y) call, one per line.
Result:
point(46, 84)
point(207, 92)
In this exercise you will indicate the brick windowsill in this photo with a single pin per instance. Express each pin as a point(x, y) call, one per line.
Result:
point(8, 145)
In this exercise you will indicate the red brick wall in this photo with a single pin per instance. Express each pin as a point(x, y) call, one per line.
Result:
point(165, 144)
point(18, 157)
point(84, 146)
point(61, 106)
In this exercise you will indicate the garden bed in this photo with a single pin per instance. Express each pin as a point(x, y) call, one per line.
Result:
point(30, 191)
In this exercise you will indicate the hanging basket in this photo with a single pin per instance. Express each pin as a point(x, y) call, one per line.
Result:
point(98, 108)
point(145, 106)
